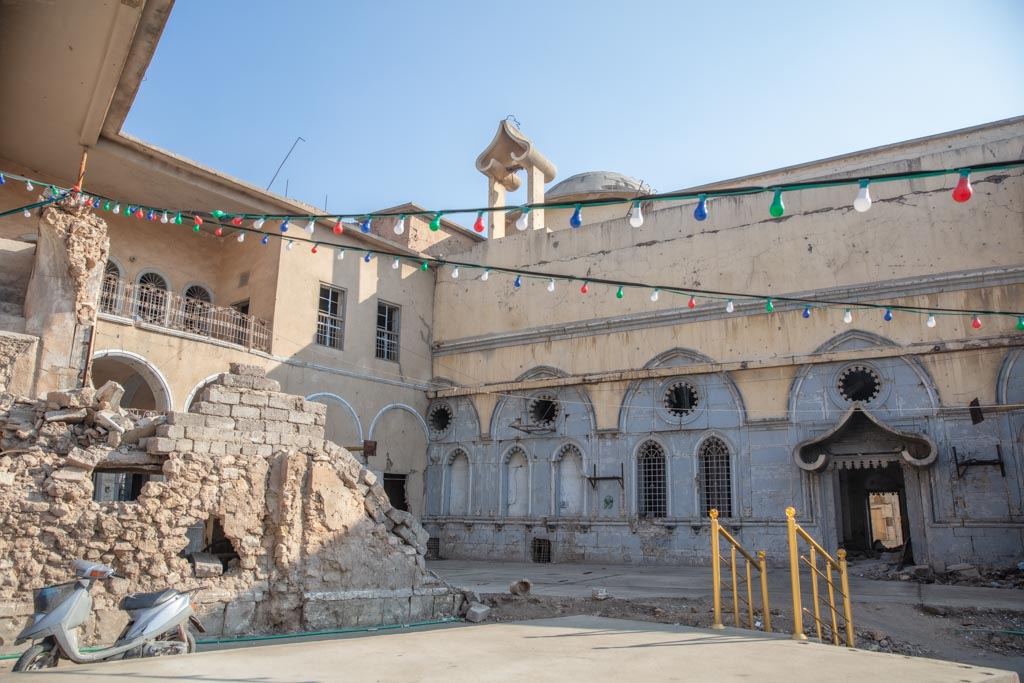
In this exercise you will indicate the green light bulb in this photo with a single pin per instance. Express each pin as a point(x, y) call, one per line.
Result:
point(195, 228)
point(424, 266)
point(769, 306)
point(618, 294)
point(106, 207)
point(177, 219)
point(217, 213)
point(1020, 324)
point(435, 224)
point(777, 208)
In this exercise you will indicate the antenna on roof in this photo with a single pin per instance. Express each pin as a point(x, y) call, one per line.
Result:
point(284, 160)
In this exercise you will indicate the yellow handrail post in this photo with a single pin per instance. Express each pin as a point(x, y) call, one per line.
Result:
point(735, 588)
point(814, 591)
point(716, 571)
point(766, 614)
point(847, 612)
point(794, 575)
point(832, 603)
point(750, 596)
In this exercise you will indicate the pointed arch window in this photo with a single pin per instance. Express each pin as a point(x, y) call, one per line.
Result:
point(652, 498)
point(570, 482)
point(715, 477)
point(517, 483)
point(458, 484)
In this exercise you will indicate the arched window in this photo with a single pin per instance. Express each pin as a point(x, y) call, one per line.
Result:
point(715, 477)
point(570, 480)
point(151, 298)
point(198, 302)
point(517, 484)
point(652, 501)
point(110, 291)
point(458, 484)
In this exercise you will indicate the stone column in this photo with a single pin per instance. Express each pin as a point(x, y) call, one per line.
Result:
point(63, 292)
point(535, 195)
point(496, 197)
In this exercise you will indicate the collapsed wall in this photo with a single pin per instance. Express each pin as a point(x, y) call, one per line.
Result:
point(313, 541)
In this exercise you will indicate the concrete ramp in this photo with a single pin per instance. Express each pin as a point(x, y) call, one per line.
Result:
point(589, 649)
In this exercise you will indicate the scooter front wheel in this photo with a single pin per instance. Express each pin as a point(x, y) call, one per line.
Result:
point(39, 656)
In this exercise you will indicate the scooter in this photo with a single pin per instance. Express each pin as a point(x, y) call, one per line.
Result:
point(157, 623)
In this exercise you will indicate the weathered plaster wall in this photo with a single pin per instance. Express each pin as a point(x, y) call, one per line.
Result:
point(319, 546)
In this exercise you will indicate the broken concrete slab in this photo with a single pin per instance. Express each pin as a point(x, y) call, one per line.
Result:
point(205, 565)
point(72, 398)
point(477, 612)
point(110, 394)
point(69, 415)
point(110, 421)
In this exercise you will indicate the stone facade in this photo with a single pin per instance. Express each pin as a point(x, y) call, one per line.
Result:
point(318, 544)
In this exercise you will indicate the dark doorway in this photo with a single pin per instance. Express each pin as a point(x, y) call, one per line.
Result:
point(394, 486)
point(873, 505)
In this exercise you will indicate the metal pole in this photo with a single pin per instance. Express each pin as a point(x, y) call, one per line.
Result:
point(845, 578)
point(716, 570)
point(735, 588)
point(794, 575)
point(814, 592)
point(766, 612)
point(750, 596)
point(284, 160)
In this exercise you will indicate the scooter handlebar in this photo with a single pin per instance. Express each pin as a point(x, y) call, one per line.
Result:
point(115, 575)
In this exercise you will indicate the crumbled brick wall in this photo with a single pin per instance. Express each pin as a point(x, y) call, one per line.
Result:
point(319, 544)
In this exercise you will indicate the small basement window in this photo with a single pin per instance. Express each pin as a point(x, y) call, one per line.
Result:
point(120, 486)
point(540, 550)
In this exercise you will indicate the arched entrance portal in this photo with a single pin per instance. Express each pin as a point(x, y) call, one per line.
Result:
point(145, 388)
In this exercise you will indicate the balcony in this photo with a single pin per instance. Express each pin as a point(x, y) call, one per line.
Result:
point(158, 307)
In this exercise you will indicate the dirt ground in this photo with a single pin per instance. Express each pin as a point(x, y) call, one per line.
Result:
point(963, 635)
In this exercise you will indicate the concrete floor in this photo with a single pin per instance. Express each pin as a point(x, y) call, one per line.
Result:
point(593, 649)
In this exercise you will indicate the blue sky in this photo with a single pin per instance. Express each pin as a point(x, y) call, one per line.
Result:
point(396, 98)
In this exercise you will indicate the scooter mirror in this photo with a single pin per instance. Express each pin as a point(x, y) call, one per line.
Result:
point(91, 570)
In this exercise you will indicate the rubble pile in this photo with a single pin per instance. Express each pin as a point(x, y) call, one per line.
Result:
point(304, 538)
point(963, 574)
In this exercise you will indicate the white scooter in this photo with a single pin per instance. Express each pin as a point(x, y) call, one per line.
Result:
point(157, 623)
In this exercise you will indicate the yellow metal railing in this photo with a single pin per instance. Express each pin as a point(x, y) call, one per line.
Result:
point(717, 560)
point(838, 564)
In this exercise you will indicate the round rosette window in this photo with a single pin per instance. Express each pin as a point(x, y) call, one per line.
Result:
point(680, 399)
point(859, 383)
point(439, 419)
point(544, 410)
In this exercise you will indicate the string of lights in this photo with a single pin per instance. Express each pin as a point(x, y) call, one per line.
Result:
point(216, 219)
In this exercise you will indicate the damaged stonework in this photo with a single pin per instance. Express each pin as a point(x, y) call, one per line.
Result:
point(17, 362)
point(63, 292)
point(315, 542)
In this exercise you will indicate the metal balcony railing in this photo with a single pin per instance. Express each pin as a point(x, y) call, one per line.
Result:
point(148, 304)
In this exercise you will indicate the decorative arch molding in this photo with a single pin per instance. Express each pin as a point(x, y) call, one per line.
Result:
point(506, 482)
point(155, 271)
point(202, 285)
point(564, 445)
point(160, 387)
point(542, 372)
point(112, 260)
point(196, 389)
point(690, 357)
point(399, 406)
point(345, 404)
point(1011, 367)
point(859, 339)
point(815, 455)
point(715, 434)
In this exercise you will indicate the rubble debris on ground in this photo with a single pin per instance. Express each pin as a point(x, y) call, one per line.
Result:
point(520, 587)
point(962, 574)
point(477, 612)
point(314, 541)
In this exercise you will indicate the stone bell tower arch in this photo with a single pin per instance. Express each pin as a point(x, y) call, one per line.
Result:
point(510, 152)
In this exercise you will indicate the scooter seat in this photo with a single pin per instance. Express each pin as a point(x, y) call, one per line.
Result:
point(146, 600)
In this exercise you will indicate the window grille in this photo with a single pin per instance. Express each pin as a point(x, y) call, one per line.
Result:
point(387, 331)
point(650, 465)
point(715, 477)
point(330, 326)
point(151, 298)
point(540, 550)
point(198, 302)
point(110, 302)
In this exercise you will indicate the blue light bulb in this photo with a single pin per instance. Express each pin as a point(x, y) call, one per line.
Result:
point(807, 312)
point(266, 238)
point(888, 315)
point(519, 282)
point(365, 226)
point(284, 225)
point(367, 257)
point(149, 215)
point(701, 212)
point(3, 181)
point(577, 217)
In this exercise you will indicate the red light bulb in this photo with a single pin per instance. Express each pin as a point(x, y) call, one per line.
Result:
point(219, 231)
point(976, 323)
point(313, 250)
point(963, 192)
point(337, 227)
point(198, 220)
point(237, 220)
point(583, 289)
point(693, 302)
point(139, 213)
point(479, 225)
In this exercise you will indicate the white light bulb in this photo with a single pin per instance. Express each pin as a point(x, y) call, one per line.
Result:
point(310, 226)
point(290, 245)
point(729, 307)
point(848, 317)
point(241, 237)
point(258, 224)
point(521, 221)
point(400, 225)
point(863, 201)
point(455, 273)
point(551, 285)
point(341, 254)
point(394, 264)
point(486, 275)
point(636, 216)
point(28, 214)
point(931, 321)
point(29, 186)
point(164, 218)
point(117, 208)
point(654, 295)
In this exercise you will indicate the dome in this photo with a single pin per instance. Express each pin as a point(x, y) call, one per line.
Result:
point(597, 185)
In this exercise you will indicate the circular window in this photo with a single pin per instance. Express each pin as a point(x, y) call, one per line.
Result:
point(681, 399)
point(439, 419)
point(859, 383)
point(544, 410)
